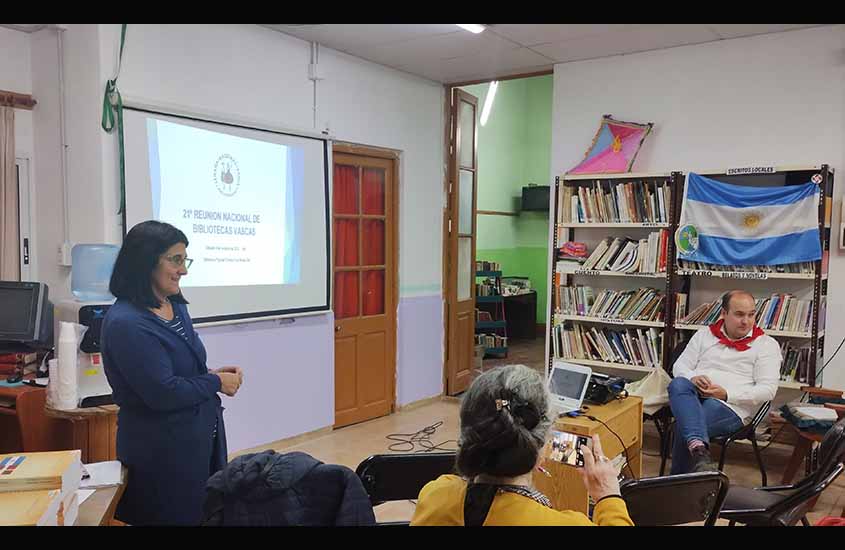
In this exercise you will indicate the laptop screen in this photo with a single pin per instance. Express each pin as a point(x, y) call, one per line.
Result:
point(567, 383)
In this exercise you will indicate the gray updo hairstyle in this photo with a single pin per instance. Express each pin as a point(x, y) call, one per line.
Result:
point(505, 442)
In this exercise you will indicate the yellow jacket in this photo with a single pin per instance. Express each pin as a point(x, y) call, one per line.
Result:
point(441, 502)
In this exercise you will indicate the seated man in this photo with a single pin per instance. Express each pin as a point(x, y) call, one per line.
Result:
point(726, 372)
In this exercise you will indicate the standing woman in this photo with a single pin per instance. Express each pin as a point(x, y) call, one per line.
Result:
point(170, 432)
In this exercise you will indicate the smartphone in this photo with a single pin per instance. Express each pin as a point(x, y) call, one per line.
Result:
point(567, 448)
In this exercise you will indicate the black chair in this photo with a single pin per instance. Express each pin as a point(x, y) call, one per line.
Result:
point(676, 500)
point(389, 477)
point(787, 504)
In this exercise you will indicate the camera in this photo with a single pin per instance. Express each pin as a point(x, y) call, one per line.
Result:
point(603, 389)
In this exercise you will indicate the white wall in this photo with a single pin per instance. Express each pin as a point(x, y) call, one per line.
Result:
point(16, 76)
point(250, 72)
point(775, 99)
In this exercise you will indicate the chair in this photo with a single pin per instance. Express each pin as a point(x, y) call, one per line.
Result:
point(677, 499)
point(389, 477)
point(787, 504)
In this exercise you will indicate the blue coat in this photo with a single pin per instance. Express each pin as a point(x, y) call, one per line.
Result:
point(168, 409)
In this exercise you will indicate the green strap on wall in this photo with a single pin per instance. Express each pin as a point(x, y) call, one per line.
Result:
point(113, 109)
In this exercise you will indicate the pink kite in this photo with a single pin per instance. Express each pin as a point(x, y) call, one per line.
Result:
point(614, 148)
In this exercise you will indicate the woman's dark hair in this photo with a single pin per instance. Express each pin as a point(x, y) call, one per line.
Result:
point(131, 278)
point(503, 439)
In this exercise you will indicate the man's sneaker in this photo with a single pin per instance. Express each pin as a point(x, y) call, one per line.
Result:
point(701, 461)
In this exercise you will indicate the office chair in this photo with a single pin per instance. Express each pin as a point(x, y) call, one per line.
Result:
point(785, 505)
point(389, 477)
point(677, 499)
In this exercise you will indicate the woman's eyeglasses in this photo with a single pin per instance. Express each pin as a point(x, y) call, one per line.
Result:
point(178, 260)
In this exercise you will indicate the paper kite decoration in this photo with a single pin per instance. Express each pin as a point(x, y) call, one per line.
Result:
point(614, 148)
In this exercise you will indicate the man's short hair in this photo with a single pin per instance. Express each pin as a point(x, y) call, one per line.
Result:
point(726, 299)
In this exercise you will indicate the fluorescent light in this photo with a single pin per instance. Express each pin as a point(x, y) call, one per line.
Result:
point(488, 101)
point(472, 27)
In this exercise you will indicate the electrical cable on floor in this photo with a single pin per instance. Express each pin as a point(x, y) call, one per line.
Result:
point(422, 439)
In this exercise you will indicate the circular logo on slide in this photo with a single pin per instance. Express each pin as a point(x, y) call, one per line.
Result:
point(227, 176)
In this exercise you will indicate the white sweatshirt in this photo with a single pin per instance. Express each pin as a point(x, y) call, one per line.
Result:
point(750, 377)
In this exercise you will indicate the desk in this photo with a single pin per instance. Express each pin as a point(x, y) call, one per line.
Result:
point(565, 488)
point(94, 431)
point(99, 508)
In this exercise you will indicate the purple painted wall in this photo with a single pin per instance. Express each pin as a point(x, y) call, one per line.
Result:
point(420, 348)
point(288, 384)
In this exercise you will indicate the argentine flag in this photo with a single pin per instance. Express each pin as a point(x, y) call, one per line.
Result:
point(743, 225)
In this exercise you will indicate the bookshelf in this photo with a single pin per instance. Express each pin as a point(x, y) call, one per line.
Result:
point(634, 215)
point(491, 333)
point(800, 285)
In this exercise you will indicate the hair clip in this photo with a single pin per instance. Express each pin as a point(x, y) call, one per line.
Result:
point(502, 403)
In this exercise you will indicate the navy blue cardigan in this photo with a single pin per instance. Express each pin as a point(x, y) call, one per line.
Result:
point(168, 409)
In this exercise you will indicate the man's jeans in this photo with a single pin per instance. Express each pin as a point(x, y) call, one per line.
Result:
point(696, 417)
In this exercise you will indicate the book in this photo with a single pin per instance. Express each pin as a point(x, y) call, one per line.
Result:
point(18, 358)
point(30, 508)
point(40, 471)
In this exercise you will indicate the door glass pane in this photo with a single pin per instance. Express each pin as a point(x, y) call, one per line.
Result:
point(345, 243)
point(372, 243)
point(467, 122)
point(345, 189)
point(465, 198)
point(345, 294)
point(373, 297)
point(465, 267)
point(372, 191)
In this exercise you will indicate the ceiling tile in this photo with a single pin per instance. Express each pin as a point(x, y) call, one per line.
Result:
point(736, 30)
point(479, 66)
point(447, 46)
point(530, 35)
point(644, 38)
point(344, 36)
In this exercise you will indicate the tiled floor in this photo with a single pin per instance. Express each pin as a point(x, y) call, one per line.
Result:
point(352, 444)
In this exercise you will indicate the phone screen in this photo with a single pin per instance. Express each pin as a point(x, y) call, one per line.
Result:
point(566, 448)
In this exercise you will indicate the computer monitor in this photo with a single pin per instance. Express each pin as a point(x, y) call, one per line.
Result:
point(26, 318)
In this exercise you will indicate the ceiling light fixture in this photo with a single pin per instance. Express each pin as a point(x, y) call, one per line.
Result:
point(488, 101)
point(472, 27)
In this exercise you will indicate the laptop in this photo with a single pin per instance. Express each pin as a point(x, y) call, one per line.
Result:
point(567, 385)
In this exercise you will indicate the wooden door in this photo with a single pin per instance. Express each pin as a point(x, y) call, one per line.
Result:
point(364, 270)
point(460, 242)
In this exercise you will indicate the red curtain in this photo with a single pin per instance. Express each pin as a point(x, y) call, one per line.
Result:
point(372, 199)
point(346, 294)
point(345, 189)
point(345, 243)
point(373, 292)
point(373, 242)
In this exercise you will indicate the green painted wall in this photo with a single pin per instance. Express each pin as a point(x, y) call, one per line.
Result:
point(514, 150)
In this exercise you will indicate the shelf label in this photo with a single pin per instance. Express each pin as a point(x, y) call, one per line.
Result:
point(750, 170)
point(614, 321)
point(745, 275)
point(653, 224)
point(586, 272)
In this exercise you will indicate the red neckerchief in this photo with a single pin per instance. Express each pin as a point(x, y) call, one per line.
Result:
point(739, 345)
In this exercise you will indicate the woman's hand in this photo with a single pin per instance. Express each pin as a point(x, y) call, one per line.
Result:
point(229, 382)
point(598, 473)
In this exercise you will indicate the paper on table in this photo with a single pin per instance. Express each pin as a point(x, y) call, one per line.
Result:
point(102, 474)
point(83, 494)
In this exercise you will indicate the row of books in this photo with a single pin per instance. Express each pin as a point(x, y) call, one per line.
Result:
point(796, 363)
point(643, 304)
point(801, 267)
point(487, 288)
point(623, 255)
point(481, 265)
point(606, 202)
point(491, 340)
point(40, 489)
point(12, 362)
point(636, 347)
point(778, 312)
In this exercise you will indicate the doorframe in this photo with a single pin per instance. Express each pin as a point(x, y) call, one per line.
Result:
point(447, 134)
point(349, 148)
point(26, 211)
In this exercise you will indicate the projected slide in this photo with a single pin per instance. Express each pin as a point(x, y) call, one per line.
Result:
point(233, 197)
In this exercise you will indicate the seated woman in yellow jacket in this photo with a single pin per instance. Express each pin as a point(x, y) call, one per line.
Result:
point(504, 425)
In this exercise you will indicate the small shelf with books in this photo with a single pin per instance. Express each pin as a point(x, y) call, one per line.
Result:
point(613, 228)
point(490, 323)
point(792, 307)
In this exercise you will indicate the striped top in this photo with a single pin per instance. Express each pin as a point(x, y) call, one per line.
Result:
point(175, 324)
